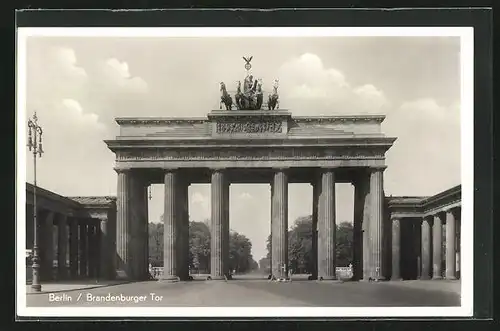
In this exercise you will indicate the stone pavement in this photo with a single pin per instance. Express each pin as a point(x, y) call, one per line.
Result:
point(55, 287)
point(257, 293)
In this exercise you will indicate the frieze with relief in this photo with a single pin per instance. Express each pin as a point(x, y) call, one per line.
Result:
point(258, 154)
point(249, 127)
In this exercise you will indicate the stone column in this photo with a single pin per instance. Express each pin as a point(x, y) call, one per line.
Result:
point(105, 254)
point(437, 250)
point(315, 186)
point(376, 237)
point(47, 246)
point(279, 223)
point(450, 245)
point(327, 227)
point(396, 249)
point(138, 224)
point(83, 248)
point(73, 248)
point(219, 252)
point(183, 237)
point(91, 248)
point(62, 246)
point(426, 249)
point(360, 191)
point(123, 235)
point(146, 231)
point(170, 223)
point(365, 226)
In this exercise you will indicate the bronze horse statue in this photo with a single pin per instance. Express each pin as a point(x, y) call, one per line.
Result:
point(225, 97)
point(273, 101)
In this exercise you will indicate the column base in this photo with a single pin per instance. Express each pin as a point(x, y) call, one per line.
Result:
point(122, 275)
point(212, 277)
point(169, 279)
point(451, 278)
point(328, 278)
point(437, 277)
point(425, 278)
point(396, 279)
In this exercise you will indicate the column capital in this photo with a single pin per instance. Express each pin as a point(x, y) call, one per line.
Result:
point(396, 218)
point(377, 168)
point(122, 170)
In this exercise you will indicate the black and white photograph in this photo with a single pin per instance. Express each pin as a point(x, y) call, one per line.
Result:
point(245, 172)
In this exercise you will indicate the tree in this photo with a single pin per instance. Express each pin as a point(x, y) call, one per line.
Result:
point(300, 253)
point(344, 244)
point(240, 253)
point(155, 231)
point(240, 248)
point(199, 247)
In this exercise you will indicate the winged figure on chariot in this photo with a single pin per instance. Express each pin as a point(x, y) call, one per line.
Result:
point(252, 95)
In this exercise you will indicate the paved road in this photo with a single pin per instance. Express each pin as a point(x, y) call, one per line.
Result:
point(253, 292)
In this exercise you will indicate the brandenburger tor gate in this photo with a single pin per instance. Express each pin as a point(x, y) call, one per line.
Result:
point(250, 141)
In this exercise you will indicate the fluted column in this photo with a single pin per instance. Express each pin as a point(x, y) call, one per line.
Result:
point(376, 237)
point(170, 236)
point(219, 252)
point(146, 231)
point(396, 249)
point(73, 248)
point(279, 223)
point(426, 249)
point(123, 235)
point(315, 186)
point(138, 223)
point(83, 254)
point(47, 248)
point(327, 227)
point(62, 246)
point(437, 248)
point(105, 252)
point(183, 236)
point(360, 192)
point(365, 227)
point(91, 248)
point(450, 245)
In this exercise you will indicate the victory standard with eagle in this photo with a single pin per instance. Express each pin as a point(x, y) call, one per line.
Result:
point(251, 98)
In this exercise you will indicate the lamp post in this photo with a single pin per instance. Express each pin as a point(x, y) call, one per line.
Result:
point(35, 145)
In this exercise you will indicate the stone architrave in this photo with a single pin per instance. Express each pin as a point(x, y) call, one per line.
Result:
point(327, 227)
point(396, 249)
point(426, 249)
point(219, 252)
point(376, 223)
point(279, 223)
point(450, 246)
point(437, 247)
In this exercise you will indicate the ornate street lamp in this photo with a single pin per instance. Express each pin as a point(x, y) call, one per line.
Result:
point(35, 145)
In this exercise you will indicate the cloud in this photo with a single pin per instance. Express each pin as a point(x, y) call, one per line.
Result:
point(308, 87)
point(118, 73)
point(427, 152)
point(66, 58)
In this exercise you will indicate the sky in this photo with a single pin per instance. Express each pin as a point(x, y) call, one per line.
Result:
point(79, 85)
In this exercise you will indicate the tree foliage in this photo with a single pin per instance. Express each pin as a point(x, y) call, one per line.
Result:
point(240, 248)
point(300, 253)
